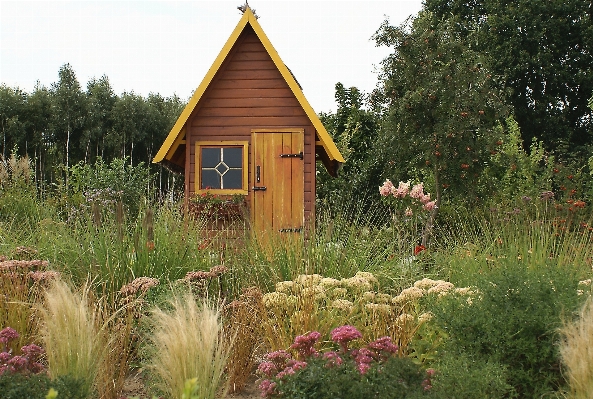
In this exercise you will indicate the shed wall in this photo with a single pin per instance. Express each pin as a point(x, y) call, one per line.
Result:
point(248, 92)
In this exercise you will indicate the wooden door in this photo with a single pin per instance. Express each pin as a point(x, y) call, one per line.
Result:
point(278, 181)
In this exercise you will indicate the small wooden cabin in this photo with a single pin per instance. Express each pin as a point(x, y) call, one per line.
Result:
point(249, 130)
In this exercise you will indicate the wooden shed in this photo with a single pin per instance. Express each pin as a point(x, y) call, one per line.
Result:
point(249, 130)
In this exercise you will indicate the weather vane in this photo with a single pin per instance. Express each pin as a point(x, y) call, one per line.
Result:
point(244, 8)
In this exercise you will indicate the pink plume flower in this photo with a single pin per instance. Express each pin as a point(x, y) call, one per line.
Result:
point(429, 206)
point(386, 188)
point(344, 334)
point(417, 191)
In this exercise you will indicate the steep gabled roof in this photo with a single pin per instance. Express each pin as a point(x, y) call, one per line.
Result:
point(167, 150)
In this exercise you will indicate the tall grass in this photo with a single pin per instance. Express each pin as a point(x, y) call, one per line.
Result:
point(72, 334)
point(576, 350)
point(188, 342)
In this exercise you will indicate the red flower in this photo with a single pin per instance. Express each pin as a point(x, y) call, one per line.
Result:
point(464, 166)
point(570, 176)
point(418, 249)
point(150, 245)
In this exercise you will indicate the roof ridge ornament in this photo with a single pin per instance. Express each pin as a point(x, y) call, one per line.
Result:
point(244, 8)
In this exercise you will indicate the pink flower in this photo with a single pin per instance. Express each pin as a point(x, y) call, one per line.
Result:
point(304, 344)
point(345, 334)
point(4, 357)
point(32, 352)
point(417, 191)
point(267, 388)
point(402, 190)
point(383, 344)
point(268, 369)
point(8, 334)
point(408, 212)
point(333, 359)
point(425, 198)
point(279, 358)
point(429, 206)
point(363, 367)
point(386, 188)
point(18, 362)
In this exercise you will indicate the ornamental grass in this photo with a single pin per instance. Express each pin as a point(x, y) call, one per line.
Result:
point(188, 343)
point(576, 351)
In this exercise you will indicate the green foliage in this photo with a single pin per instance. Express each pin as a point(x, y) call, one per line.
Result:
point(543, 51)
point(117, 181)
point(513, 321)
point(512, 171)
point(36, 386)
point(396, 378)
point(441, 106)
point(463, 377)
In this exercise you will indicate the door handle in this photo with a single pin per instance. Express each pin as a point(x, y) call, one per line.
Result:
point(260, 188)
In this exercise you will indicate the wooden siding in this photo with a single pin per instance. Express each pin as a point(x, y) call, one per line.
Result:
point(248, 92)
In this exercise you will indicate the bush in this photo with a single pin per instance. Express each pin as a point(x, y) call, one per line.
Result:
point(36, 386)
point(513, 321)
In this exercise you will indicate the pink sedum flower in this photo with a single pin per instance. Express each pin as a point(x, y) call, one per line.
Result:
point(8, 334)
point(383, 344)
point(304, 344)
point(267, 388)
point(333, 359)
point(268, 369)
point(344, 334)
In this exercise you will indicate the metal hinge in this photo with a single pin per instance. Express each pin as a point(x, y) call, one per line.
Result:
point(299, 155)
point(293, 230)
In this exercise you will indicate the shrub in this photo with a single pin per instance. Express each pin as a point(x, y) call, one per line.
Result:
point(19, 386)
point(374, 370)
point(513, 322)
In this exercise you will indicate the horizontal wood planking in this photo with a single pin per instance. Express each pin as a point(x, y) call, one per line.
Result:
point(250, 84)
point(249, 93)
point(250, 122)
point(250, 102)
point(251, 111)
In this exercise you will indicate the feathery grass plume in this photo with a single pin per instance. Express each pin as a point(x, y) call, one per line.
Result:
point(576, 351)
point(72, 334)
point(188, 342)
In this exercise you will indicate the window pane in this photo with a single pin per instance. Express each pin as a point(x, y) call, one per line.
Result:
point(210, 157)
point(233, 157)
point(233, 179)
point(210, 179)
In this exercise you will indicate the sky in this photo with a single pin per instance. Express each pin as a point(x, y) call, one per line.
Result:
point(166, 47)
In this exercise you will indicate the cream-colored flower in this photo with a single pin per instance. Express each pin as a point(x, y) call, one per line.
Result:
point(585, 282)
point(409, 294)
point(357, 283)
point(336, 292)
point(404, 318)
point(275, 299)
point(382, 298)
point(464, 291)
point(286, 287)
point(426, 283)
point(378, 308)
point(328, 282)
point(368, 296)
point(308, 279)
point(342, 304)
point(370, 277)
point(442, 288)
point(316, 292)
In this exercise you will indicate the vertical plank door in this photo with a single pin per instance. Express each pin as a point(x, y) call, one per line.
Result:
point(278, 182)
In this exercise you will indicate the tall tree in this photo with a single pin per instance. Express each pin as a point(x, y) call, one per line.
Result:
point(544, 51)
point(69, 110)
point(38, 117)
point(101, 100)
point(12, 105)
point(441, 107)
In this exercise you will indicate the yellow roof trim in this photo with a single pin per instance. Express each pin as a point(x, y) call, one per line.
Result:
point(167, 149)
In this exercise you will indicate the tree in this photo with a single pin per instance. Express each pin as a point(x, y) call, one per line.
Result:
point(12, 104)
point(69, 110)
point(441, 107)
point(544, 51)
point(101, 100)
point(38, 115)
point(354, 128)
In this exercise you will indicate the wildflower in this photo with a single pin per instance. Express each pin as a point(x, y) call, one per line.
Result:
point(402, 190)
point(308, 279)
point(417, 191)
point(424, 317)
point(383, 344)
point(363, 358)
point(304, 344)
point(218, 271)
point(386, 188)
point(8, 334)
point(404, 319)
point(279, 358)
point(285, 286)
point(141, 284)
point(150, 245)
point(344, 334)
point(408, 212)
point(425, 198)
point(426, 283)
point(196, 276)
point(268, 369)
point(274, 299)
point(409, 294)
point(41, 276)
point(418, 249)
point(342, 304)
point(267, 388)
point(32, 352)
point(339, 292)
point(358, 283)
point(442, 288)
point(370, 277)
point(328, 282)
point(368, 296)
point(579, 204)
point(547, 195)
point(333, 359)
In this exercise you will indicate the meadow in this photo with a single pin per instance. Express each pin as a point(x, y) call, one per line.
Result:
point(497, 303)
